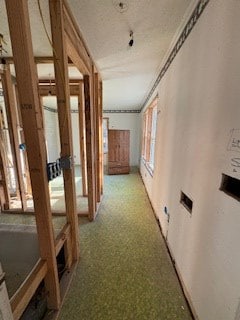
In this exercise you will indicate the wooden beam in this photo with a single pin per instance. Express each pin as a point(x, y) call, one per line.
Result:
point(22, 140)
point(4, 192)
point(73, 54)
point(71, 81)
point(64, 117)
point(76, 48)
point(101, 136)
point(97, 134)
point(82, 138)
point(22, 297)
point(90, 147)
point(19, 26)
point(45, 90)
point(38, 60)
point(11, 110)
point(61, 238)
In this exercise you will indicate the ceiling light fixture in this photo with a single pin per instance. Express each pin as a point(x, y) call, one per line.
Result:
point(121, 6)
point(131, 41)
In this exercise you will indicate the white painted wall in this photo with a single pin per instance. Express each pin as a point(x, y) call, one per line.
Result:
point(75, 137)
point(127, 121)
point(52, 135)
point(199, 100)
point(52, 129)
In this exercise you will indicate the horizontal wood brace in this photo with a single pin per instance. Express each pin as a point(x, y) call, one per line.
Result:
point(23, 295)
point(62, 237)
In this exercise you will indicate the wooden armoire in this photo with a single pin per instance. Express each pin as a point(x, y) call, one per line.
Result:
point(118, 151)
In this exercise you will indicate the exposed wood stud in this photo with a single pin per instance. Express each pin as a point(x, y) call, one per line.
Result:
point(75, 46)
point(89, 147)
point(24, 294)
point(22, 140)
point(101, 137)
point(92, 93)
point(26, 75)
point(64, 118)
point(4, 192)
point(44, 90)
point(82, 138)
point(10, 104)
point(97, 135)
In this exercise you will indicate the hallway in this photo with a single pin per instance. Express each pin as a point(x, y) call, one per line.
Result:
point(124, 270)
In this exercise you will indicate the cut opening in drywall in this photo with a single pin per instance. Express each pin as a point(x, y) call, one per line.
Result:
point(231, 186)
point(186, 202)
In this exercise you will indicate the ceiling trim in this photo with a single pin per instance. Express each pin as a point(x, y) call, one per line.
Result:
point(201, 5)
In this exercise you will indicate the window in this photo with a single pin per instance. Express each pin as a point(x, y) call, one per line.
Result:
point(149, 134)
point(105, 135)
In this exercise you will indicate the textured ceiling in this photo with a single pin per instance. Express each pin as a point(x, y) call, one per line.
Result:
point(127, 73)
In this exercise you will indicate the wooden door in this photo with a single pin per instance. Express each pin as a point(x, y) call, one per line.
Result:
point(118, 151)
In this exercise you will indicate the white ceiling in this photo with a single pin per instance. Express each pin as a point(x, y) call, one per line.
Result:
point(127, 73)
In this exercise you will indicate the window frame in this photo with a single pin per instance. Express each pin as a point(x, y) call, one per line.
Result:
point(149, 135)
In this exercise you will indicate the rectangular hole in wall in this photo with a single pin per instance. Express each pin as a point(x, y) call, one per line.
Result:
point(231, 186)
point(186, 202)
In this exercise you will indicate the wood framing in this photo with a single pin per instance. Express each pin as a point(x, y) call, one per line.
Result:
point(19, 26)
point(47, 81)
point(97, 135)
point(45, 90)
point(23, 295)
point(101, 136)
point(22, 140)
point(11, 110)
point(90, 147)
point(82, 138)
point(4, 192)
point(61, 238)
point(64, 118)
point(75, 46)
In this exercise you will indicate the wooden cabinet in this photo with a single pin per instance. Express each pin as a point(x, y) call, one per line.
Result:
point(118, 151)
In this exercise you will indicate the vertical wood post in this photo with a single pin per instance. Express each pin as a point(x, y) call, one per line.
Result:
point(90, 147)
point(101, 137)
point(11, 111)
point(4, 192)
point(22, 140)
point(26, 74)
point(64, 117)
point(82, 138)
point(97, 134)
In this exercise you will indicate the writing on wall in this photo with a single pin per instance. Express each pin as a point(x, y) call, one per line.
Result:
point(234, 148)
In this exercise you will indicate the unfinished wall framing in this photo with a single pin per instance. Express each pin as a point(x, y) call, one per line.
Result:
point(68, 46)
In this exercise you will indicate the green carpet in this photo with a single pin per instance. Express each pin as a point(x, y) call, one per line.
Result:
point(124, 271)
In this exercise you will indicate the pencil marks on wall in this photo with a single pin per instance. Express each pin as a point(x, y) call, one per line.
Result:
point(234, 141)
point(234, 148)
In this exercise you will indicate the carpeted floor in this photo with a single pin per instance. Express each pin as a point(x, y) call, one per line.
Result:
point(124, 271)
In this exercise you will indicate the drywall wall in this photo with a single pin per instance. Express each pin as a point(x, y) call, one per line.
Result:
point(75, 137)
point(198, 139)
point(52, 135)
point(127, 121)
point(52, 128)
